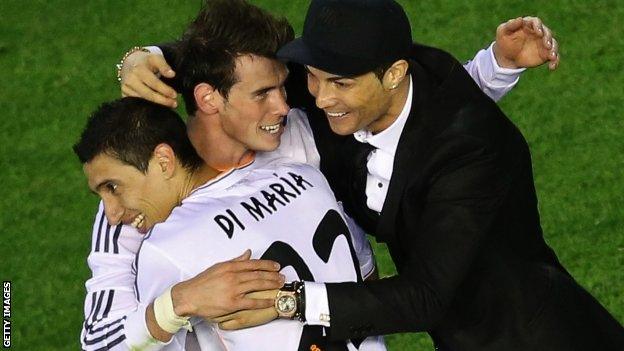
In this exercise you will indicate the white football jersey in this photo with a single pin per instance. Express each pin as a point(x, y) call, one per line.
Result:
point(282, 211)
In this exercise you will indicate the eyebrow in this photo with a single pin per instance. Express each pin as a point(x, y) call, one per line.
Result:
point(267, 88)
point(331, 79)
point(263, 90)
point(100, 185)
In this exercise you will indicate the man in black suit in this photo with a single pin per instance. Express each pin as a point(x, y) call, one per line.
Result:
point(427, 163)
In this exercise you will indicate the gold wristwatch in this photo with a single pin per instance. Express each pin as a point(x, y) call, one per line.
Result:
point(290, 301)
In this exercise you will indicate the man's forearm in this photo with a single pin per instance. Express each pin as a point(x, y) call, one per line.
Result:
point(152, 325)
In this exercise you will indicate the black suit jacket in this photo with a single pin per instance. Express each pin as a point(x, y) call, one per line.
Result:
point(462, 226)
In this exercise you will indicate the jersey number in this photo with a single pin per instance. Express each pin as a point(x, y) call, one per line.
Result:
point(331, 227)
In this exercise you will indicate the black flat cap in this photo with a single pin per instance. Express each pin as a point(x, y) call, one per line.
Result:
point(351, 37)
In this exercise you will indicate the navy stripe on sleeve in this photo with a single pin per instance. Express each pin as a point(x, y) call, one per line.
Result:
point(108, 335)
point(116, 239)
point(109, 303)
point(99, 234)
point(97, 307)
point(107, 240)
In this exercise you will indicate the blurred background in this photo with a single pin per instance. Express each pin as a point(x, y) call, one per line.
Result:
point(58, 59)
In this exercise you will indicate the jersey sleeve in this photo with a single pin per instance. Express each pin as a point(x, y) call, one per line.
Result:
point(156, 271)
point(111, 310)
point(362, 246)
point(495, 81)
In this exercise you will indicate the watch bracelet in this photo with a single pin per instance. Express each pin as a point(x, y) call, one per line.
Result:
point(299, 287)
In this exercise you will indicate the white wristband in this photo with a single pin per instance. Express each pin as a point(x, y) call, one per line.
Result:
point(166, 317)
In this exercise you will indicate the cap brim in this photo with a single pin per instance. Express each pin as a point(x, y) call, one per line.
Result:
point(299, 51)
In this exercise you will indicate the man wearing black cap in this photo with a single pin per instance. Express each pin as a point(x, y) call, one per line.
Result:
point(428, 164)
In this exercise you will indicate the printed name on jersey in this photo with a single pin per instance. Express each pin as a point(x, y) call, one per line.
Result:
point(286, 188)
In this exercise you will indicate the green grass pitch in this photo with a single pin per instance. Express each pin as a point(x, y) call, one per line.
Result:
point(57, 58)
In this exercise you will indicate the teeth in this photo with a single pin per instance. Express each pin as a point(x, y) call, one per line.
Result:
point(272, 129)
point(336, 114)
point(138, 221)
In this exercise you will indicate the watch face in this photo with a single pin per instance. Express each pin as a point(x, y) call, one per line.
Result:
point(286, 304)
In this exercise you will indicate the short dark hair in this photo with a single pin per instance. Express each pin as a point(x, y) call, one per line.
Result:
point(223, 31)
point(130, 128)
point(381, 70)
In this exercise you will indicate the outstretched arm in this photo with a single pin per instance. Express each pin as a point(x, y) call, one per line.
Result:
point(520, 43)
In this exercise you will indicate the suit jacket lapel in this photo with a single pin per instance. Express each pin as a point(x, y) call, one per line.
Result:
point(410, 145)
point(435, 74)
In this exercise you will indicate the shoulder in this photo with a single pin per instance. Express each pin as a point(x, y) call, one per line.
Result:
point(453, 105)
point(113, 239)
point(297, 142)
point(297, 123)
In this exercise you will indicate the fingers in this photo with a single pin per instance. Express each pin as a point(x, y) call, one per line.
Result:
point(552, 46)
point(266, 294)
point(256, 304)
point(230, 325)
point(258, 285)
point(159, 64)
point(245, 319)
point(245, 256)
point(547, 38)
point(140, 80)
point(128, 91)
point(512, 25)
point(226, 317)
point(554, 57)
point(549, 50)
point(534, 25)
point(157, 85)
point(142, 89)
point(249, 265)
point(259, 275)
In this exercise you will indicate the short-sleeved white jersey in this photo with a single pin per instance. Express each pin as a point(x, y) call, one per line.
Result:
point(282, 211)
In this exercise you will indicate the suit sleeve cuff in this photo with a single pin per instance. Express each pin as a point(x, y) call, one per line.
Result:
point(493, 74)
point(137, 335)
point(155, 50)
point(316, 304)
point(494, 80)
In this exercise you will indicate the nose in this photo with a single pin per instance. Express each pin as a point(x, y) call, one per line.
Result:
point(324, 97)
point(113, 211)
point(281, 106)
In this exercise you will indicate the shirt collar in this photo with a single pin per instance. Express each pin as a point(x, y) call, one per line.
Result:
point(388, 139)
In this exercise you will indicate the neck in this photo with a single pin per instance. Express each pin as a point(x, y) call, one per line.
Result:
point(194, 179)
point(398, 99)
point(215, 147)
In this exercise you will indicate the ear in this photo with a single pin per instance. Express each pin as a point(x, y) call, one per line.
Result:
point(395, 74)
point(207, 98)
point(165, 160)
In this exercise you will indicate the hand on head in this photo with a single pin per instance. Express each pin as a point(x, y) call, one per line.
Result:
point(140, 78)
